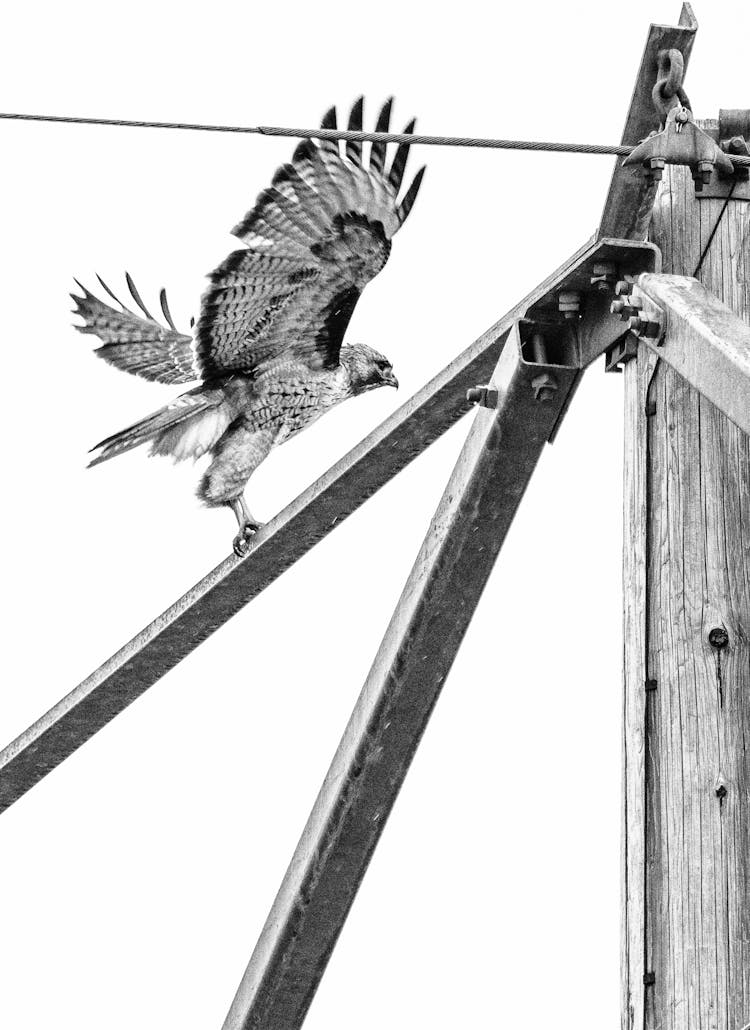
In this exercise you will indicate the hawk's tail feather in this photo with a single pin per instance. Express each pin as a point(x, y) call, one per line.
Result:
point(140, 346)
point(188, 406)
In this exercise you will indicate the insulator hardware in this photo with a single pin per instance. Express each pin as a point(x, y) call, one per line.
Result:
point(680, 142)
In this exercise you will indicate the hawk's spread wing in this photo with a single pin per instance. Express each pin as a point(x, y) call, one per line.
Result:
point(133, 344)
point(314, 240)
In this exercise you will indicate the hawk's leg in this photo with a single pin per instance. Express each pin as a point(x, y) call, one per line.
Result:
point(236, 456)
point(247, 523)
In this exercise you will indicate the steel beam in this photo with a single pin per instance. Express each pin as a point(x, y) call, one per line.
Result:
point(627, 211)
point(309, 518)
point(414, 659)
point(700, 337)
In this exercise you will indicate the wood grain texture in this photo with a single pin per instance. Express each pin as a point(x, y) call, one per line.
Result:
point(686, 875)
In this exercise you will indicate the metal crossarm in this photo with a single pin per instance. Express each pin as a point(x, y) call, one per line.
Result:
point(231, 585)
point(438, 601)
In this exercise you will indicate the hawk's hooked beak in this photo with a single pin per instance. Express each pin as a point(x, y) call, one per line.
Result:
point(389, 379)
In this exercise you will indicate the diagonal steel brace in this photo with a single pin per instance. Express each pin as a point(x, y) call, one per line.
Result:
point(420, 644)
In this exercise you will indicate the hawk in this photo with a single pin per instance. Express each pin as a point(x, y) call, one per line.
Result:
point(268, 350)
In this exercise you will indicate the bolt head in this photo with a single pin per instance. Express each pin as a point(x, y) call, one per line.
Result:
point(625, 307)
point(644, 327)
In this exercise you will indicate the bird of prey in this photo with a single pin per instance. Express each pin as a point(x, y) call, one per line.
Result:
point(268, 348)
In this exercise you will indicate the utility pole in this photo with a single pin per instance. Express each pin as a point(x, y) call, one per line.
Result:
point(686, 856)
point(686, 353)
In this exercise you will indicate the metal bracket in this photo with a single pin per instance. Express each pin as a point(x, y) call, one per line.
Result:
point(681, 142)
point(621, 352)
point(573, 316)
point(530, 343)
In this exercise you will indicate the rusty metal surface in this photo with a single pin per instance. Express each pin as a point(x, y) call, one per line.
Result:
point(701, 338)
point(230, 586)
point(399, 694)
point(627, 210)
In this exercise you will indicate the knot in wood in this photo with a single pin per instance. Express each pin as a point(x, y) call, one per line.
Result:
point(718, 638)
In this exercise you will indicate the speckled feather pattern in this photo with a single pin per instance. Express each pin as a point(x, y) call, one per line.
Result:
point(279, 409)
point(267, 345)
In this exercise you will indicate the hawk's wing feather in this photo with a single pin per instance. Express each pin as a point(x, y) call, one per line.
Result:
point(314, 239)
point(133, 344)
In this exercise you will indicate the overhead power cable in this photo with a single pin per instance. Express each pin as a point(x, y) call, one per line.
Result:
point(354, 136)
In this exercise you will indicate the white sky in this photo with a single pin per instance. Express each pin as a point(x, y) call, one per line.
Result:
point(136, 877)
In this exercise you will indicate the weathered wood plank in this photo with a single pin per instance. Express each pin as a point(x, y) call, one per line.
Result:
point(687, 572)
point(704, 340)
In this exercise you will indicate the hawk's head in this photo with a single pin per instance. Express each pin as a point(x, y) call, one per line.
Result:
point(366, 367)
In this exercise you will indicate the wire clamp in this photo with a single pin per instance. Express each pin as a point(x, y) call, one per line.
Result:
point(680, 142)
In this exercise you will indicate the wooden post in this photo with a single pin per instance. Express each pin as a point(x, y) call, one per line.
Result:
point(686, 855)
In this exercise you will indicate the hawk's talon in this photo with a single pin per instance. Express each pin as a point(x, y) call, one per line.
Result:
point(241, 543)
